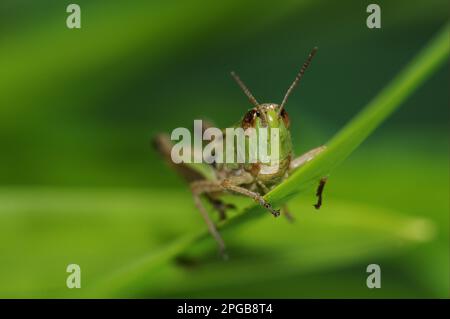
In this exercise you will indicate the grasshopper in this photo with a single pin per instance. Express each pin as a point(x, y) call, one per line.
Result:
point(250, 180)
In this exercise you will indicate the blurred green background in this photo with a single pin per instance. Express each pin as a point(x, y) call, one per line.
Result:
point(79, 182)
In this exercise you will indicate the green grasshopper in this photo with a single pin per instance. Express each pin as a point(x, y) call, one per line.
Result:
point(213, 180)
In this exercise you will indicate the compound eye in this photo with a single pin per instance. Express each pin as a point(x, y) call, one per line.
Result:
point(249, 119)
point(285, 117)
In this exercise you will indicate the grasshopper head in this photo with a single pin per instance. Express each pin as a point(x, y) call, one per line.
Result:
point(273, 116)
point(266, 115)
point(270, 116)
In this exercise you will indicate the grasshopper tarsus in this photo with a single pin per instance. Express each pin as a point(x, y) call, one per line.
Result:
point(319, 192)
point(266, 205)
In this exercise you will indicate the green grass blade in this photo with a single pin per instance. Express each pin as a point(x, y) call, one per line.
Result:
point(339, 147)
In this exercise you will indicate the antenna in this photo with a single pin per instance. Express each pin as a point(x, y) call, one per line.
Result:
point(244, 88)
point(298, 78)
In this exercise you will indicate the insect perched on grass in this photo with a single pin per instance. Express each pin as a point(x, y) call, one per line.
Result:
point(248, 179)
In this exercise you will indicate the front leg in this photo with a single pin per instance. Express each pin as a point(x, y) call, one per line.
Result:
point(231, 184)
point(302, 160)
point(228, 185)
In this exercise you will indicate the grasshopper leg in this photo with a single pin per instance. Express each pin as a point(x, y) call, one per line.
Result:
point(221, 207)
point(303, 159)
point(163, 145)
point(203, 187)
point(285, 211)
point(319, 192)
point(206, 187)
point(228, 185)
